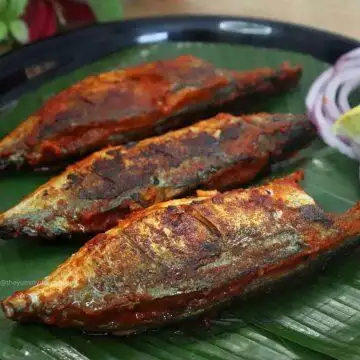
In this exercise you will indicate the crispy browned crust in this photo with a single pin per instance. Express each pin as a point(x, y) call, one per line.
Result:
point(181, 258)
point(122, 105)
point(222, 152)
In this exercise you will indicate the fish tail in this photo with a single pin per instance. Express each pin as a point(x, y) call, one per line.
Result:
point(6, 163)
point(349, 222)
point(268, 80)
point(6, 230)
point(2, 225)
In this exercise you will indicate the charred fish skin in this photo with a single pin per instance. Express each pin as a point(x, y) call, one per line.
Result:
point(182, 258)
point(125, 105)
point(90, 196)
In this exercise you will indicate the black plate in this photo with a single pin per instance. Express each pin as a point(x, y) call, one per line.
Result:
point(72, 50)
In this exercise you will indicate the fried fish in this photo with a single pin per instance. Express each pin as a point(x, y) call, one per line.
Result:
point(131, 104)
point(179, 259)
point(91, 195)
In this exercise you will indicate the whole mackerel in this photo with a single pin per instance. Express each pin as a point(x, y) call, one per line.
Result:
point(131, 104)
point(91, 195)
point(180, 259)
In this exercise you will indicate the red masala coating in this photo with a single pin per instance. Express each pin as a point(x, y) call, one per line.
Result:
point(123, 105)
point(222, 152)
point(182, 258)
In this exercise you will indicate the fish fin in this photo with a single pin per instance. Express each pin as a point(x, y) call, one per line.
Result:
point(293, 178)
point(206, 193)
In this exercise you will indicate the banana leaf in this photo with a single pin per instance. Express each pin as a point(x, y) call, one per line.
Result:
point(318, 318)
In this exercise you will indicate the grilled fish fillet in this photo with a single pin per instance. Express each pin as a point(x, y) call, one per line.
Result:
point(90, 196)
point(122, 105)
point(182, 258)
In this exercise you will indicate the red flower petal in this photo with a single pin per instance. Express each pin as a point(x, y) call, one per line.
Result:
point(49, 25)
point(40, 18)
point(74, 11)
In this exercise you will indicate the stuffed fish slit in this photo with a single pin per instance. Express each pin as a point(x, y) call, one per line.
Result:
point(163, 264)
point(125, 105)
point(218, 153)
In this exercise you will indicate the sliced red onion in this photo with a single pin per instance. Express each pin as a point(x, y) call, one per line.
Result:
point(351, 54)
point(317, 87)
point(344, 92)
point(328, 99)
point(332, 89)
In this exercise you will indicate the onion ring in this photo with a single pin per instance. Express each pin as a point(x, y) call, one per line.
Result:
point(328, 99)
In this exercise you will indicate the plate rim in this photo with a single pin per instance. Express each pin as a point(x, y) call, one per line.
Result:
point(92, 42)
